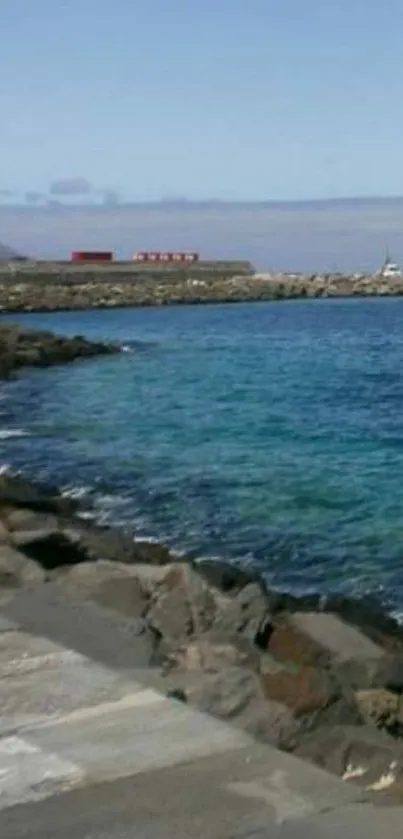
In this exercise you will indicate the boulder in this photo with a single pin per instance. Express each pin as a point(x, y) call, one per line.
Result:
point(204, 655)
point(16, 492)
point(181, 606)
point(235, 694)
point(245, 615)
point(108, 543)
point(51, 550)
point(389, 672)
point(17, 570)
point(22, 520)
point(225, 576)
point(359, 754)
point(288, 644)
point(305, 691)
point(380, 708)
point(324, 640)
point(4, 534)
point(110, 585)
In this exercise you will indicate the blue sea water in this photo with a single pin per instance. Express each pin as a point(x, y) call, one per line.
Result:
point(267, 433)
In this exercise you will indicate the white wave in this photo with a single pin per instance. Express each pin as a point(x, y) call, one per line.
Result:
point(8, 433)
point(76, 492)
point(126, 348)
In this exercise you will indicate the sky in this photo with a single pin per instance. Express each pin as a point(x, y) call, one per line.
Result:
point(230, 99)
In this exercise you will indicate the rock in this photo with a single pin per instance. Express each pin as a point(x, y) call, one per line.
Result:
point(339, 639)
point(182, 605)
point(235, 694)
point(18, 570)
point(359, 754)
point(4, 534)
point(110, 585)
point(111, 544)
point(244, 615)
point(178, 694)
point(203, 655)
point(224, 576)
point(380, 708)
point(389, 673)
point(152, 553)
point(21, 347)
point(22, 520)
point(288, 644)
point(52, 550)
point(15, 492)
point(305, 691)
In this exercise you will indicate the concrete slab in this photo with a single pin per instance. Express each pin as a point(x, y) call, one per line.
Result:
point(204, 798)
point(128, 762)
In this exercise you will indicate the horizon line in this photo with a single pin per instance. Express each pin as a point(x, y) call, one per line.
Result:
point(52, 204)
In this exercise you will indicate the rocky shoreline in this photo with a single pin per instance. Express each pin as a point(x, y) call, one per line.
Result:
point(34, 289)
point(319, 677)
point(22, 347)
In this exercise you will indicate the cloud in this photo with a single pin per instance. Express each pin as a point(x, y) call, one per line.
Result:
point(70, 186)
point(6, 193)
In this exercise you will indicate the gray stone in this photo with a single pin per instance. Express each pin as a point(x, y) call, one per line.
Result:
point(342, 641)
point(181, 606)
point(361, 754)
point(245, 615)
point(109, 584)
point(4, 534)
point(16, 569)
point(235, 694)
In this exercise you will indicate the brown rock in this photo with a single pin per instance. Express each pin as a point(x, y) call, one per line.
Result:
point(304, 692)
point(288, 644)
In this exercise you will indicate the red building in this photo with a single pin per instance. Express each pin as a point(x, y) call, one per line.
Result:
point(91, 256)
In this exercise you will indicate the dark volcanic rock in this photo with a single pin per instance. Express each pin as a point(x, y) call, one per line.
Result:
point(27, 347)
point(225, 576)
point(17, 492)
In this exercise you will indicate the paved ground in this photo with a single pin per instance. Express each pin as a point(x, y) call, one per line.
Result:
point(88, 750)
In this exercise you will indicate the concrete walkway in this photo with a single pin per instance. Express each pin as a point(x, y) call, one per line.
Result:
point(89, 751)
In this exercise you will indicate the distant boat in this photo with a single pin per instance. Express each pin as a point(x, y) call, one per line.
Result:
point(390, 269)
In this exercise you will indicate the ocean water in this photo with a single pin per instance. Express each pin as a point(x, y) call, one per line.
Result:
point(271, 434)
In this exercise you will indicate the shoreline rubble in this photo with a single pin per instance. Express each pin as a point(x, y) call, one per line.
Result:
point(321, 678)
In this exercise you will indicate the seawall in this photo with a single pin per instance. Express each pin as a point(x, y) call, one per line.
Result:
point(51, 286)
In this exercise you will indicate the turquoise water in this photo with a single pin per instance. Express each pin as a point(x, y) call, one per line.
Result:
point(267, 433)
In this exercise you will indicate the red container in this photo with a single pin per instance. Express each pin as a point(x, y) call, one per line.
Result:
point(91, 256)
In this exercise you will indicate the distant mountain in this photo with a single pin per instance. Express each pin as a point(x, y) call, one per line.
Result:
point(7, 253)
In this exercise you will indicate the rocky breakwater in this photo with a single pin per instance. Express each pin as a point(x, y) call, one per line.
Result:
point(22, 347)
point(322, 678)
point(74, 288)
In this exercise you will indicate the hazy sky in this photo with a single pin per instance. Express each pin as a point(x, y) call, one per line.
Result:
point(225, 98)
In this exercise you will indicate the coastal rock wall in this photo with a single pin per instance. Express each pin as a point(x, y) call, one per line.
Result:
point(21, 347)
point(70, 289)
point(322, 678)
